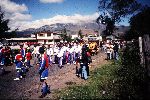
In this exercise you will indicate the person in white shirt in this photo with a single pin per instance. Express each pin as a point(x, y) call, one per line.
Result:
point(74, 54)
point(49, 53)
point(60, 57)
point(108, 51)
point(111, 51)
point(77, 52)
point(36, 54)
point(71, 51)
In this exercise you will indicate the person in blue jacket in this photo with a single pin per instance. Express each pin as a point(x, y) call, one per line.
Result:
point(23, 52)
point(43, 71)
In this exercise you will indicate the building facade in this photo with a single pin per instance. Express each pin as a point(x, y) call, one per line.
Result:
point(47, 37)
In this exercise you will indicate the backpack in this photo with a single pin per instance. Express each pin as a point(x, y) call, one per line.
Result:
point(89, 57)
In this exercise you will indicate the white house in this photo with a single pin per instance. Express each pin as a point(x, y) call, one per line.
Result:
point(112, 37)
point(74, 36)
point(47, 37)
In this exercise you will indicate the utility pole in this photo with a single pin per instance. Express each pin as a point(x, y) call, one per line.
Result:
point(141, 50)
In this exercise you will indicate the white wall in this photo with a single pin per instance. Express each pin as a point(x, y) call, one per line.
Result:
point(74, 36)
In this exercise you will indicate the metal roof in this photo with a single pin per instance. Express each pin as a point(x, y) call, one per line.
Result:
point(21, 39)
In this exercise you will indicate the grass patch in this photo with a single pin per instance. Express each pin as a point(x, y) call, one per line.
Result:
point(101, 85)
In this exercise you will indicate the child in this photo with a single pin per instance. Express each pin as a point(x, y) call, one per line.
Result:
point(23, 52)
point(43, 71)
point(28, 58)
point(19, 64)
point(3, 55)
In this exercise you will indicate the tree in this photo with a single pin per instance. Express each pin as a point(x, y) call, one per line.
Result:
point(13, 34)
point(3, 25)
point(63, 34)
point(113, 10)
point(140, 28)
point(80, 35)
point(69, 39)
point(140, 22)
point(131, 75)
point(136, 59)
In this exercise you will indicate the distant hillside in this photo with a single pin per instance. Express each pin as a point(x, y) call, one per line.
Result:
point(60, 27)
point(71, 28)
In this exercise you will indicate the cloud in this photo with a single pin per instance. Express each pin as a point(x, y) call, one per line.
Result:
point(20, 17)
point(11, 7)
point(51, 1)
point(17, 13)
point(75, 19)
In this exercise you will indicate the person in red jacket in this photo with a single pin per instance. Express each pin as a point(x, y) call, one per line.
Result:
point(19, 64)
point(28, 58)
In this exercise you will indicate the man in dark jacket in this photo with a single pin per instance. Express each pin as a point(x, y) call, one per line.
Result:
point(116, 48)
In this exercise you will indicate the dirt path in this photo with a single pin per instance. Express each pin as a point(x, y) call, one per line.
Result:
point(27, 88)
point(67, 75)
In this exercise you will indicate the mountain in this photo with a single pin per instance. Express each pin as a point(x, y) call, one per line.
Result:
point(71, 28)
point(68, 26)
point(59, 27)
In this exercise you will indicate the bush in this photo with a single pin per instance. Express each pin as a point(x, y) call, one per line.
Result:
point(131, 74)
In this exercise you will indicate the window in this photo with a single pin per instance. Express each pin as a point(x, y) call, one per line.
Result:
point(48, 34)
point(41, 34)
point(50, 40)
point(40, 40)
point(57, 40)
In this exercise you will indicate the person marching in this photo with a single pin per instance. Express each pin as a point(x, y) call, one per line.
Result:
point(23, 52)
point(3, 55)
point(71, 49)
point(108, 51)
point(85, 60)
point(68, 55)
point(19, 64)
point(28, 58)
point(7, 56)
point(60, 57)
point(74, 53)
point(56, 49)
point(35, 55)
point(49, 53)
point(43, 71)
point(115, 48)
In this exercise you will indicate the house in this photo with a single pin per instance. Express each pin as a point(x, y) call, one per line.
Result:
point(74, 36)
point(111, 37)
point(90, 34)
point(47, 37)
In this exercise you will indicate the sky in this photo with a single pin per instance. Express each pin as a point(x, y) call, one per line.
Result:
point(24, 14)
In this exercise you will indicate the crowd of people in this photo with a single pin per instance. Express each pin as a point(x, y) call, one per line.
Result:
point(111, 48)
point(62, 53)
point(45, 56)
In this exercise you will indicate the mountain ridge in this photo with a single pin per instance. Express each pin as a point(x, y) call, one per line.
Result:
point(73, 28)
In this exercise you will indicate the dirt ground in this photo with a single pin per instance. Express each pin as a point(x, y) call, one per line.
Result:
point(27, 88)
